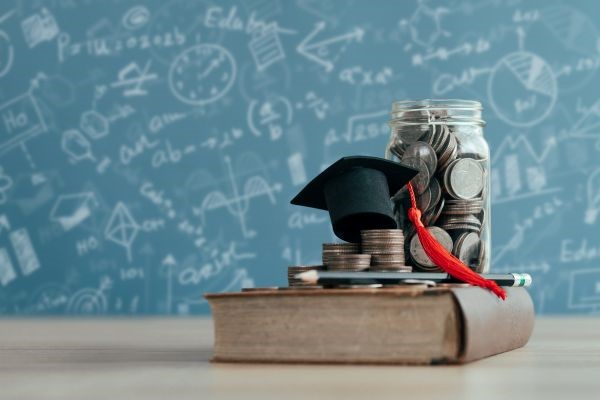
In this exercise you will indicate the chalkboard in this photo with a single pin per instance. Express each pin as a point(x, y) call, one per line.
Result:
point(149, 149)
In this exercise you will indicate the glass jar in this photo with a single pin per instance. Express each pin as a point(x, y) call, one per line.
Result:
point(444, 140)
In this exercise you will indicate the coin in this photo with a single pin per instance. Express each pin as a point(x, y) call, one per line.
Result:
point(465, 178)
point(466, 248)
point(421, 180)
point(423, 151)
point(331, 249)
point(349, 262)
point(417, 252)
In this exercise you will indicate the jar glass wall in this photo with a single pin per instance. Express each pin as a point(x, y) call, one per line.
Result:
point(444, 140)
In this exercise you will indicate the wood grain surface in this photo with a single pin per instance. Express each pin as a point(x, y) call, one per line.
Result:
point(168, 359)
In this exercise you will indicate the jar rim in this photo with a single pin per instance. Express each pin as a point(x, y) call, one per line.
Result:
point(455, 112)
point(436, 103)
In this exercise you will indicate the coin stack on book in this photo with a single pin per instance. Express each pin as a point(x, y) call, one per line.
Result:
point(344, 257)
point(380, 250)
point(449, 189)
point(386, 247)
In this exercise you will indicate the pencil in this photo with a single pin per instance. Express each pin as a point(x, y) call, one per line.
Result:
point(334, 278)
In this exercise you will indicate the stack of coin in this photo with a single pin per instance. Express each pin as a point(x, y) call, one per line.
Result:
point(386, 247)
point(334, 249)
point(349, 262)
point(293, 270)
point(450, 192)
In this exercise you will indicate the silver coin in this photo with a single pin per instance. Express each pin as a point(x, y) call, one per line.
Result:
point(466, 178)
point(432, 216)
point(423, 151)
point(421, 180)
point(418, 253)
point(467, 248)
point(436, 193)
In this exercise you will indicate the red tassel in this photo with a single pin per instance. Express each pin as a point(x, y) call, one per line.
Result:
point(443, 258)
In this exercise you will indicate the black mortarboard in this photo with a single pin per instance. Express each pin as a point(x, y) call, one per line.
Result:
point(356, 192)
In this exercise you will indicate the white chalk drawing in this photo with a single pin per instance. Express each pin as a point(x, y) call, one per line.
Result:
point(70, 210)
point(239, 202)
point(90, 301)
point(94, 124)
point(532, 87)
point(425, 25)
point(39, 27)
point(132, 79)
point(266, 48)
point(263, 9)
point(7, 51)
point(24, 251)
point(273, 115)
point(202, 74)
point(359, 128)
point(326, 52)
point(297, 170)
point(587, 126)
point(518, 171)
point(318, 105)
point(240, 279)
point(5, 185)
point(76, 146)
point(135, 18)
point(7, 271)
point(327, 10)
point(6, 54)
point(584, 289)
point(21, 120)
point(592, 197)
point(122, 228)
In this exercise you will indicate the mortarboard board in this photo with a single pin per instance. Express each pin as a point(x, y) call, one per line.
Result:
point(356, 192)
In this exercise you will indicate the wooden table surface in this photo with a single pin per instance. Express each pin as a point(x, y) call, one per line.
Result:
point(168, 359)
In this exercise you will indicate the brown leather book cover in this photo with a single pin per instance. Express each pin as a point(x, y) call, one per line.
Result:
point(390, 326)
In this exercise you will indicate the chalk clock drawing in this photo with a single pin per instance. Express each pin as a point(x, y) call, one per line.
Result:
point(202, 74)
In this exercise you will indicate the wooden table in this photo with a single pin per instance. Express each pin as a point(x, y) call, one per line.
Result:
point(168, 359)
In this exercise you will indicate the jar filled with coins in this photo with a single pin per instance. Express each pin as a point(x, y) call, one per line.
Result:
point(444, 140)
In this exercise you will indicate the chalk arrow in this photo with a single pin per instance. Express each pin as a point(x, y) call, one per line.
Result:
point(318, 50)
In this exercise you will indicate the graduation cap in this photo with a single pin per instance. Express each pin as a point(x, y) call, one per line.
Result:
point(356, 192)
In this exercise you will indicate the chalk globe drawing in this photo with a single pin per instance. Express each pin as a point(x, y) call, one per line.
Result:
point(202, 74)
point(522, 89)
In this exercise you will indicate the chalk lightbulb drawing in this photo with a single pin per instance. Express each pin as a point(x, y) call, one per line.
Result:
point(593, 197)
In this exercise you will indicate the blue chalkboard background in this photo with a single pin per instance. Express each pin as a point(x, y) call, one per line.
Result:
point(149, 149)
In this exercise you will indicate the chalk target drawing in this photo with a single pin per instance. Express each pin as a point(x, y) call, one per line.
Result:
point(90, 301)
point(522, 89)
point(202, 74)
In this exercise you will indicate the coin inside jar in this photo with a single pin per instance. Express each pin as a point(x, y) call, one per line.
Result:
point(464, 178)
point(422, 151)
point(421, 180)
point(418, 253)
point(467, 248)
